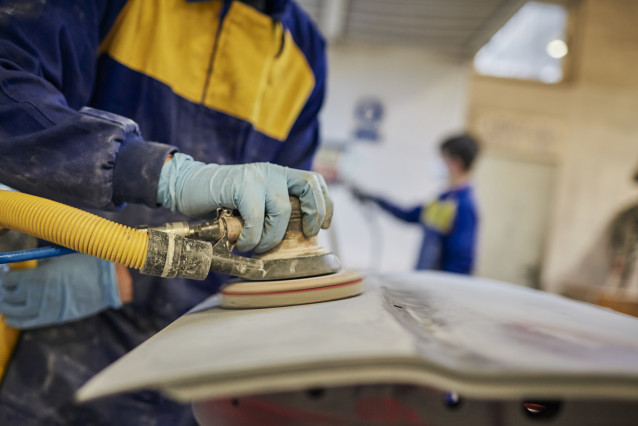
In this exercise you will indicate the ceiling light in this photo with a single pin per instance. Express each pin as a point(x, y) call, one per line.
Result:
point(556, 49)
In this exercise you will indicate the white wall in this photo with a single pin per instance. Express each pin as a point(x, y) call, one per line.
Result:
point(425, 98)
point(514, 199)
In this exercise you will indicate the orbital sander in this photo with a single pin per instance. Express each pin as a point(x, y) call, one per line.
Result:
point(297, 271)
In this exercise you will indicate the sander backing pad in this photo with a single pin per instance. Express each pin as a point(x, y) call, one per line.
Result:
point(266, 294)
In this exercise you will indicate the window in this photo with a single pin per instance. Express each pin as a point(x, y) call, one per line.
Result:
point(530, 46)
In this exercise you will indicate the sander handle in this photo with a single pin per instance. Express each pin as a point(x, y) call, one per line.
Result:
point(227, 223)
point(212, 230)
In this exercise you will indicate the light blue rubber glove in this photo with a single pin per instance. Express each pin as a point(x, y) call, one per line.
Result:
point(258, 190)
point(59, 290)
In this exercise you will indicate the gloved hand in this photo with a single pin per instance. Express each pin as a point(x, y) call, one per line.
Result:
point(59, 290)
point(258, 190)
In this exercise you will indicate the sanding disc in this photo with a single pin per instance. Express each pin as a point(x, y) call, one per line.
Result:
point(266, 294)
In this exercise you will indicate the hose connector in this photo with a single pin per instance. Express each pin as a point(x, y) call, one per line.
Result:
point(170, 255)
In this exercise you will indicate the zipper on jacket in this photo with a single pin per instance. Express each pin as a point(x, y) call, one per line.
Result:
point(209, 73)
point(282, 41)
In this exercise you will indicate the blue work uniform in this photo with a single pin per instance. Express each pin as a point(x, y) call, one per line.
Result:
point(449, 230)
point(93, 97)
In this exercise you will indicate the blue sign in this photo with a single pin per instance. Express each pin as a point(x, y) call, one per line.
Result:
point(368, 114)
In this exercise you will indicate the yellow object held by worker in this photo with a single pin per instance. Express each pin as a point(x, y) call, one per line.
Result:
point(9, 335)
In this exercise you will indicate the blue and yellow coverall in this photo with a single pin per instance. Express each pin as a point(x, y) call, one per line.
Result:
point(449, 230)
point(224, 81)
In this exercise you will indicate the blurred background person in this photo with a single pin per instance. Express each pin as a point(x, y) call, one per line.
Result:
point(449, 223)
point(608, 273)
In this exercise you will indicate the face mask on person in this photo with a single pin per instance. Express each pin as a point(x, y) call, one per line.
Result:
point(439, 170)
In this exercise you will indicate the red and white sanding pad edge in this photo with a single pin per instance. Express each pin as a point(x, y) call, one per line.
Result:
point(268, 294)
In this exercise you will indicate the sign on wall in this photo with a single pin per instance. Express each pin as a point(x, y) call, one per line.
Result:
point(368, 116)
point(532, 137)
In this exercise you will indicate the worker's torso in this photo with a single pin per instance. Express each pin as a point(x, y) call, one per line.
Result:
point(439, 219)
point(222, 81)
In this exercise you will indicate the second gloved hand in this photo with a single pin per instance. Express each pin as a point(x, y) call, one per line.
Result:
point(258, 190)
point(59, 290)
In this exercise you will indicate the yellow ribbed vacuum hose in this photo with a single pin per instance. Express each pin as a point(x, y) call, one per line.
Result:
point(73, 228)
point(68, 227)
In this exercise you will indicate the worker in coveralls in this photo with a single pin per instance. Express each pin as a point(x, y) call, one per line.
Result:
point(450, 222)
point(609, 269)
point(131, 105)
